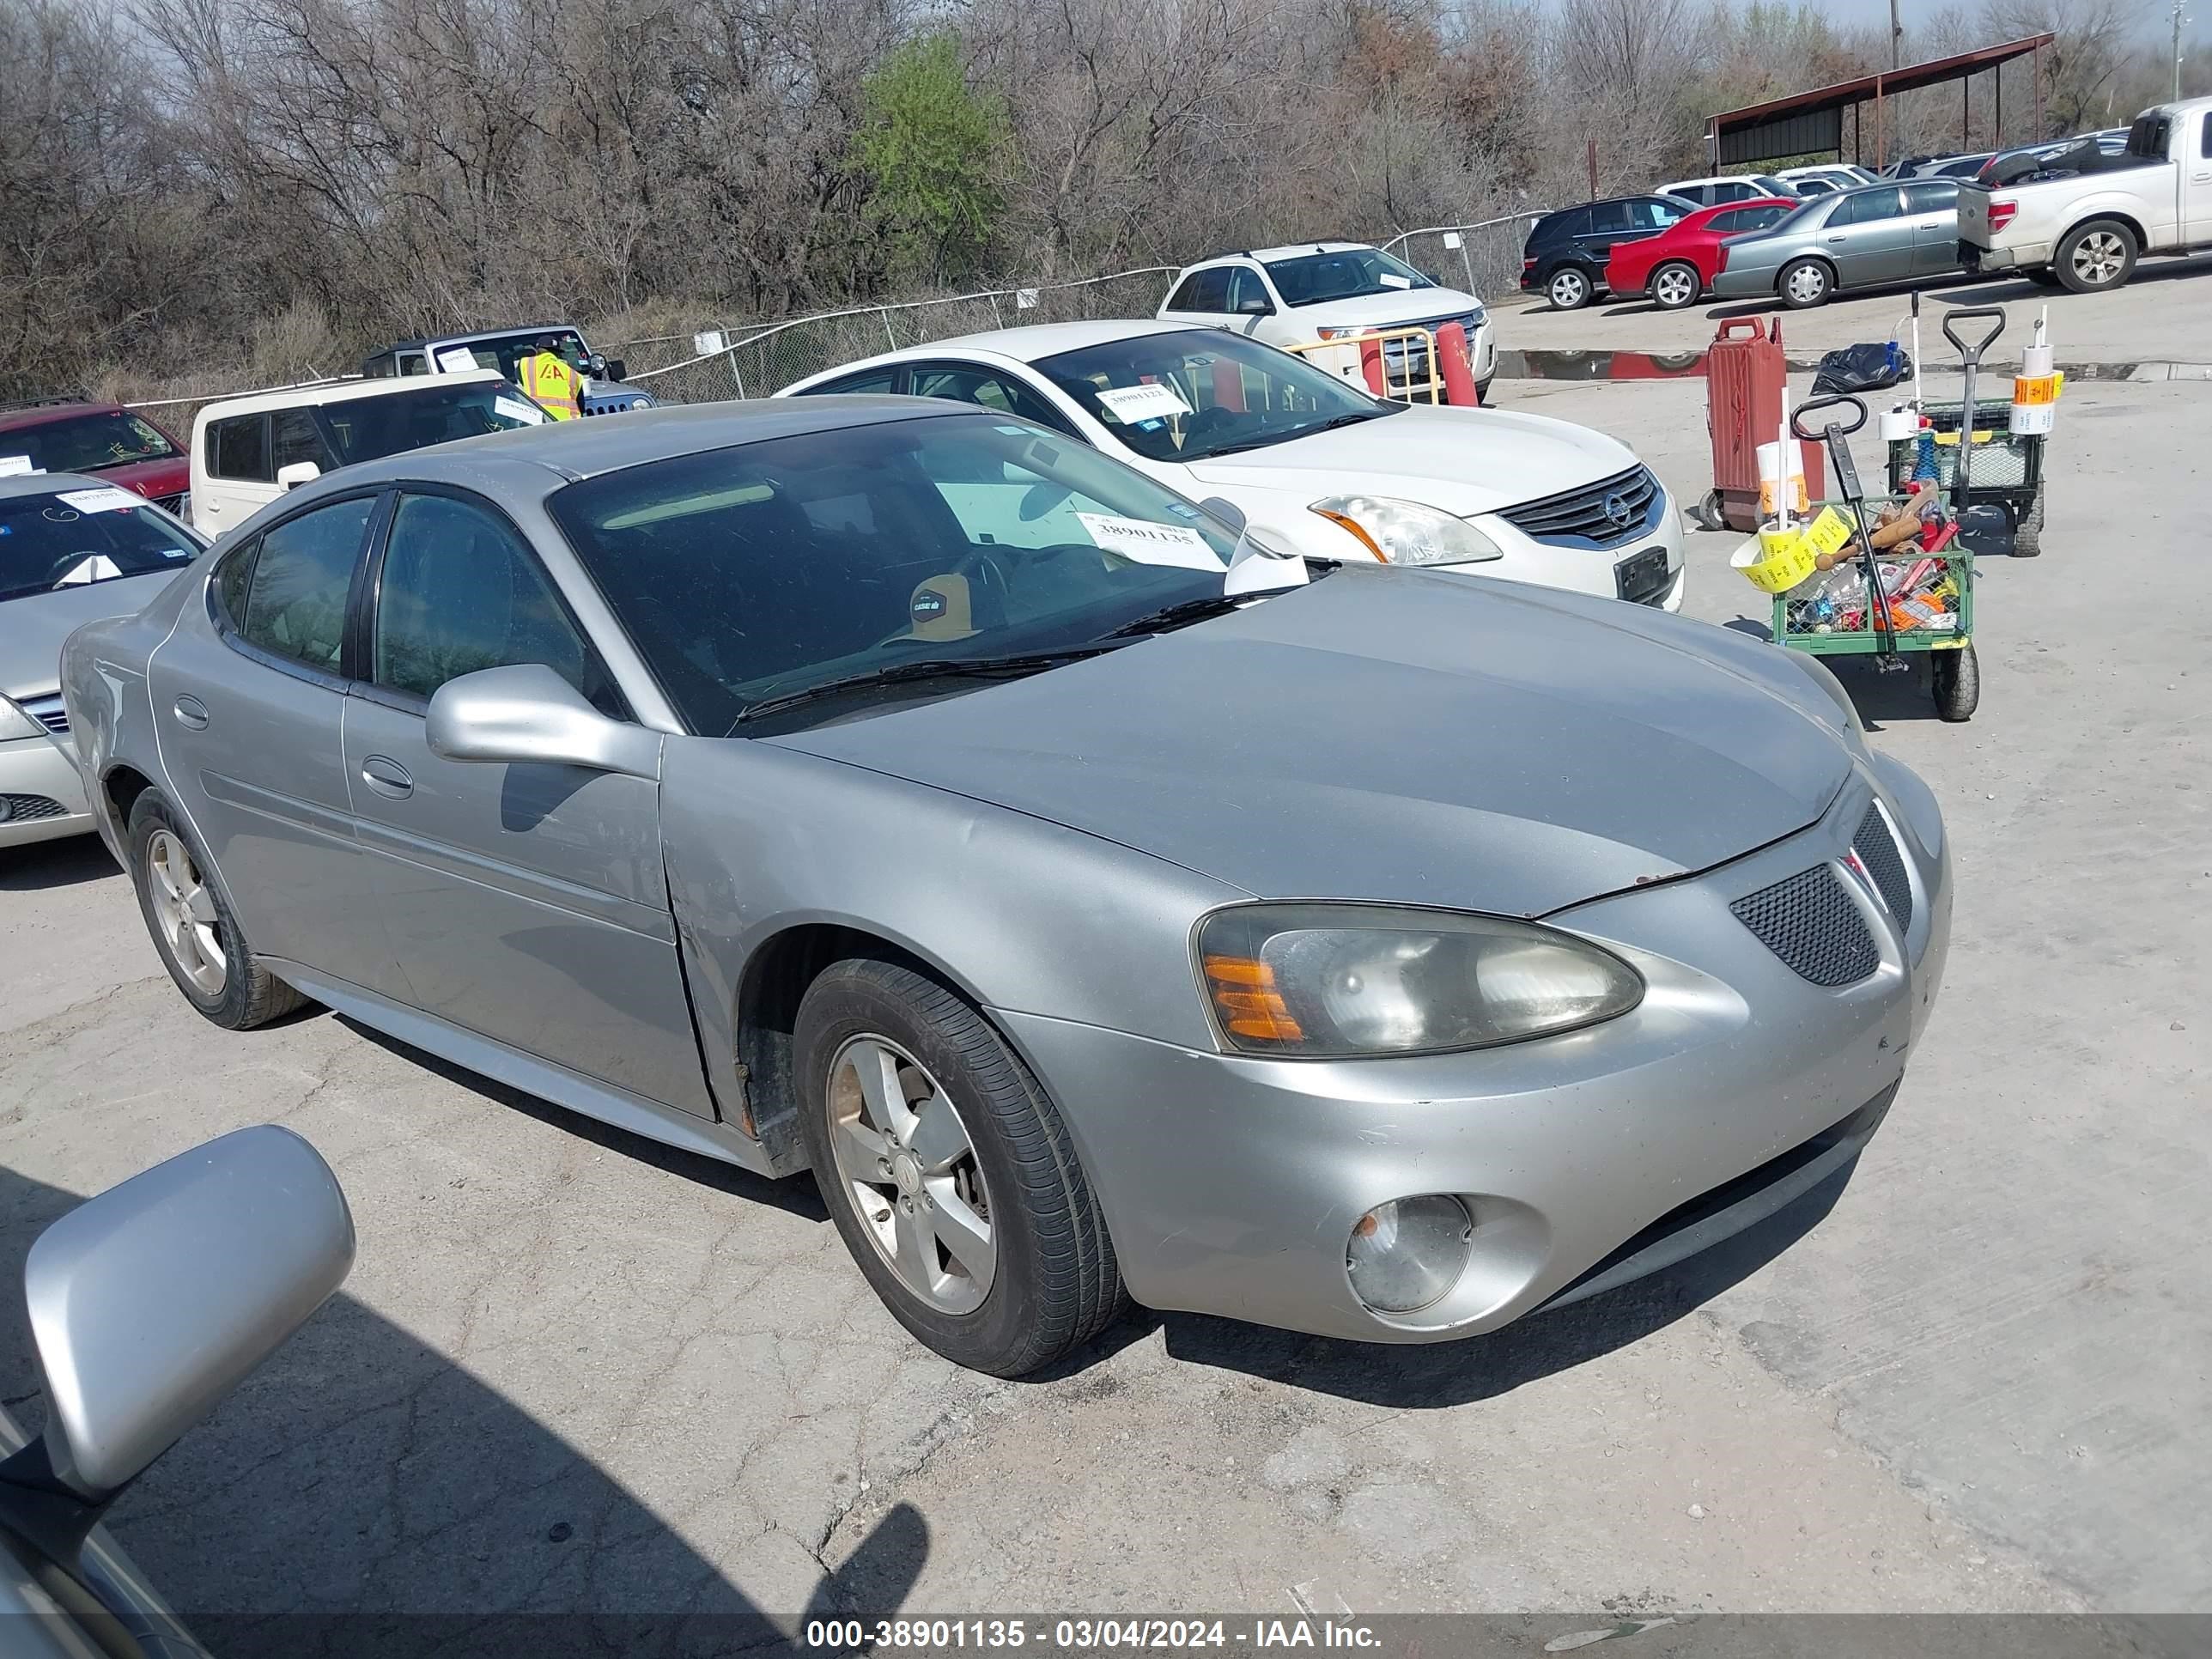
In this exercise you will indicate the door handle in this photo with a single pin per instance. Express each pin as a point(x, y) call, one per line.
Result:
point(388, 777)
point(192, 712)
point(1932, 224)
point(1839, 240)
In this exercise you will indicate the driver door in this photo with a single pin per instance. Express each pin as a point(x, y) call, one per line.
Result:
point(526, 903)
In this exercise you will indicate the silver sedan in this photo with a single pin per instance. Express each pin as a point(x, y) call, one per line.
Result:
point(898, 790)
point(1864, 238)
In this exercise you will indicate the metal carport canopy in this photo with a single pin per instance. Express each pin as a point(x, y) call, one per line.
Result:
point(1805, 122)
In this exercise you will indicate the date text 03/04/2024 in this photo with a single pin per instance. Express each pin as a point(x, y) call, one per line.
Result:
point(1049, 1636)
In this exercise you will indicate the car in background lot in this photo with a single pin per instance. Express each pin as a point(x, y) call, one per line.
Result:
point(1675, 268)
point(73, 549)
point(1820, 180)
point(2085, 231)
point(246, 451)
point(147, 1304)
point(69, 434)
point(502, 350)
point(1315, 466)
point(1723, 188)
point(892, 788)
point(1862, 237)
point(1565, 255)
point(1295, 296)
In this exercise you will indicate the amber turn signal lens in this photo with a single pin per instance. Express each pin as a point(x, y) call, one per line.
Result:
point(1244, 994)
point(1353, 524)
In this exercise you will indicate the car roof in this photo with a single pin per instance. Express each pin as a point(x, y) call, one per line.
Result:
point(565, 450)
point(45, 411)
point(339, 391)
point(423, 340)
point(1045, 340)
point(45, 483)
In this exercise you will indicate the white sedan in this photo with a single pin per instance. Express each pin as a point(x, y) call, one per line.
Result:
point(1316, 466)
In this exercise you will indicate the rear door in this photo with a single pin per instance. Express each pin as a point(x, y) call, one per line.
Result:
point(238, 463)
point(1932, 207)
point(528, 904)
point(2193, 161)
point(1870, 239)
point(1200, 297)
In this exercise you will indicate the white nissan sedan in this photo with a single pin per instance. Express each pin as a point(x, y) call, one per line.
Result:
point(1316, 466)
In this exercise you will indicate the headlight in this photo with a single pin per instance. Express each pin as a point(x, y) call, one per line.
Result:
point(1406, 532)
point(1333, 981)
point(14, 723)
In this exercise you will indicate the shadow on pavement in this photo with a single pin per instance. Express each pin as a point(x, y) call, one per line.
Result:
point(1441, 1375)
point(360, 1494)
point(45, 863)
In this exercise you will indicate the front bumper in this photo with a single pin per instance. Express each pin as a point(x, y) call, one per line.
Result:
point(42, 793)
point(1230, 1184)
point(1607, 573)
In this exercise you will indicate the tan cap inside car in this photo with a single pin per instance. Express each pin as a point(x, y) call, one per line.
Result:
point(940, 608)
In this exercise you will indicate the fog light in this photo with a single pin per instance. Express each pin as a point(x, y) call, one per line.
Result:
point(1407, 1253)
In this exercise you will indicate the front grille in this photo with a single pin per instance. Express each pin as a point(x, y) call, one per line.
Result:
point(174, 503)
point(1408, 359)
point(1877, 850)
point(48, 712)
point(1810, 922)
point(1606, 513)
point(28, 808)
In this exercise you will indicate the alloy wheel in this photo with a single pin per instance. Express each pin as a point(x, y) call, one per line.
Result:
point(186, 910)
point(2099, 258)
point(1675, 286)
point(1569, 290)
point(906, 1161)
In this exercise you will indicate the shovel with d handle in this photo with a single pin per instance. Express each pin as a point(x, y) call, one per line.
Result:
point(1970, 352)
point(1836, 433)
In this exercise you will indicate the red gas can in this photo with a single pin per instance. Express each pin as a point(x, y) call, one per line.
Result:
point(1746, 379)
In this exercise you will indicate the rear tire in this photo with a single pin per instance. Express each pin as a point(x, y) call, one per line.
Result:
point(1711, 513)
point(1805, 283)
point(2027, 534)
point(199, 940)
point(2094, 256)
point(1039, 1277)
point(1676, 285)
point(1955, 679)
point(1570, 288)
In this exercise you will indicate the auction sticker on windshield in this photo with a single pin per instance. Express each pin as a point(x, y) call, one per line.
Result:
point(1146, 543)
point(515, 411)
point(16, 465)
point(1132, 404)
point(109, 500)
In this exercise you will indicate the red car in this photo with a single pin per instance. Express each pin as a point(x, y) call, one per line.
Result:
point(1674, 268)
point(72, 436)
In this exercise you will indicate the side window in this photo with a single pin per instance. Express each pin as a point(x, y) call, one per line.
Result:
point(296, 602)
point(873, 379)
point(1727, 223)
point(1758, 218)
point(964, 384)
point(230, 581)
point(1206, 290)
point(1931, 197)
point(1866, 208)
point(295, 438)
point(1244, 288)
point(2204, 144)
point(414, 362)
point(1608, 218)
point(239, 448)
point(462, 591)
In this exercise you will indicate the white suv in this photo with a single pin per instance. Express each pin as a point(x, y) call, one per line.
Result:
point(1295, 296)
point(1730, 187)
point(248, 451)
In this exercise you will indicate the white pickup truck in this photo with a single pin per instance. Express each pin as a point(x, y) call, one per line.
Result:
point(2085, 231)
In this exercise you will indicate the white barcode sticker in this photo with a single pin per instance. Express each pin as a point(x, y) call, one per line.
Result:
point(457, 359)
point(1146, 543)
point(110, 500)
point(517, 411)
point(1132, 404)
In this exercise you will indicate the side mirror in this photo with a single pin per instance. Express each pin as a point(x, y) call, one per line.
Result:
point(150, 1302)
point(1225, 512)
point(613, 369)
point(292, 474)
point(1257, 306)
point(525, 714)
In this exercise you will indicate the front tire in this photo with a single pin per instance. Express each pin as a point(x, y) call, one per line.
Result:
point(2094, 256)
point(2027, 534)
point(948, 1172)
point(199, 940)
point(1956, 680)
point(1570, 288)
point(1676, 285)
point(1805, 283)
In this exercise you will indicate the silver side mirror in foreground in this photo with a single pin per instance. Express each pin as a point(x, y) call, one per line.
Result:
point(527, 714)
point(150, 1302)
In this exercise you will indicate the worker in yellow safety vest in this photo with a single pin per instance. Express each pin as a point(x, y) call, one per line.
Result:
point(552, 381)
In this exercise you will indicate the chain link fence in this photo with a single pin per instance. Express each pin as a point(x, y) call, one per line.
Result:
point(1483, 259)
point(753, 365)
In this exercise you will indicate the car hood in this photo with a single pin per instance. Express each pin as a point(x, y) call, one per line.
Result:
point(1466, 461)
point(171, 476)
point(31, 628)
point(1397, 304)
point(1397, 736)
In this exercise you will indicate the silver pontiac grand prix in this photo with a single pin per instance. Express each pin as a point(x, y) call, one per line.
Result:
point(899, 790)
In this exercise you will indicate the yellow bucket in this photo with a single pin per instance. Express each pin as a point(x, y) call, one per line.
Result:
point(1776, 561)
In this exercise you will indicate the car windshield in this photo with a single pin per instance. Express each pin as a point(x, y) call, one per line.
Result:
point(87, 443)
point(761, 571)
point(1189, 393)
point(504, 351)
point(1312, 279)
point(71, 538)
point(362, 429)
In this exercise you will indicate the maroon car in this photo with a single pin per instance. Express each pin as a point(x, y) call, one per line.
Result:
point(74, 435)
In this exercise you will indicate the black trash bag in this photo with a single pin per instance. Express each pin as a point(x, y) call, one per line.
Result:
point(1862, 368)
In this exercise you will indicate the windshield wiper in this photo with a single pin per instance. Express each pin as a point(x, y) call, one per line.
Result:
point(1182, 613)
point(1006, 664)
point(1352, 418)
